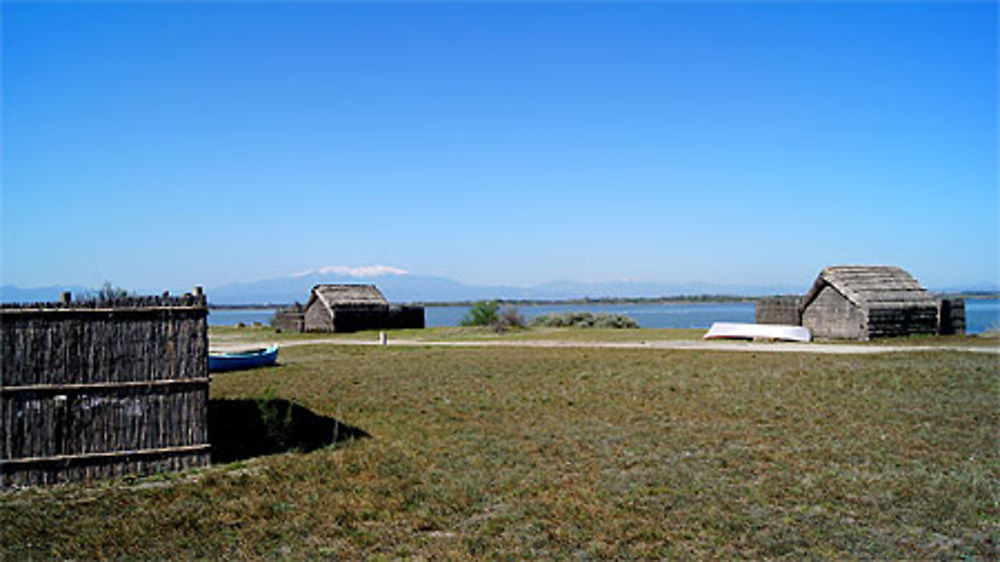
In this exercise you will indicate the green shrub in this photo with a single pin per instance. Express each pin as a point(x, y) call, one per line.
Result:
point(585, 320)
point(483, 313)
point(617, 321)
point(489, 313)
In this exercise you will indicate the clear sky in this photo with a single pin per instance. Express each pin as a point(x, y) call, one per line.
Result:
point(165, 145)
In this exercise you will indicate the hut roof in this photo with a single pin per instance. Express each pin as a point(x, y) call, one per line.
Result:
point(347, 295)
point(867, 286)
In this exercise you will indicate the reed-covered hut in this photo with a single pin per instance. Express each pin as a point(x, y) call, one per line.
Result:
point(103, 388)
point(784, 310)
point(351, 308)
point(290, 319)
point(865, 302)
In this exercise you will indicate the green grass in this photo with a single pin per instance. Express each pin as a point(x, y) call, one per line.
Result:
point(566, 453)
point(463, 333)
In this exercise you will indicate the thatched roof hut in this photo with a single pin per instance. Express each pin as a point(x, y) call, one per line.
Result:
point(344, 308)
point(347, 295)
point(867, 301)
point(350, 308)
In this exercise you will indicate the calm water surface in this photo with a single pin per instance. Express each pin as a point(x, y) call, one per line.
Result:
point(232, 316)
point(647, 315)
point(981, 314)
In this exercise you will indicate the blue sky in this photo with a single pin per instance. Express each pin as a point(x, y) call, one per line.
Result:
point(165, 145)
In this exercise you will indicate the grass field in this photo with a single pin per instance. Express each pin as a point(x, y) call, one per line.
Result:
point(445, 334)
point(603, 453)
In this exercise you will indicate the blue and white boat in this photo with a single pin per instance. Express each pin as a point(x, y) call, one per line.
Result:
point(239, 360)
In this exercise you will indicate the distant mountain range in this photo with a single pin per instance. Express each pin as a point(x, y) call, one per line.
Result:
point(425, 288)
point(400, 286)
point(51, 293)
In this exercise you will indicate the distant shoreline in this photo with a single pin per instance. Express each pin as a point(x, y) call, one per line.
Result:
point(680, 299)
point(683, 299)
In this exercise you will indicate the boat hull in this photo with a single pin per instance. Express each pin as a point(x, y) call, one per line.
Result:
point(739, 331)
point(218, 362)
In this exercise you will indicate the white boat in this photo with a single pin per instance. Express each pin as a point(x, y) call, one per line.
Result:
point(740, 331)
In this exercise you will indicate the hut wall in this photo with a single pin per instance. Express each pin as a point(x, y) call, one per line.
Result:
point(951, 316)
point(891, 321)
point(360, 317)
point(405, 317)
point(780, 310)
point(831, 315)
point(102, 389)
point(346, 318)
point(317, 318)
point(290, 320)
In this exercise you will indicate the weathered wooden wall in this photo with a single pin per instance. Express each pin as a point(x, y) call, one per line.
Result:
point(831, 315)
point(893, 321)
point(357, 318)
point(779, 310)
point(951, 316)
point(100, 389)
point(290, 319)
point(354, 318)
point(317, 318)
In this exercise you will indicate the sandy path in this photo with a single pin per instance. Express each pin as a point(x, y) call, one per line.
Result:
point(683, 345)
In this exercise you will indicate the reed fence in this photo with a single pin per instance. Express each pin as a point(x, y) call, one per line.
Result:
point(98, 389)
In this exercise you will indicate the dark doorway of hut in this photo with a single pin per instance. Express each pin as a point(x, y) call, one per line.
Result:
point(247, 428)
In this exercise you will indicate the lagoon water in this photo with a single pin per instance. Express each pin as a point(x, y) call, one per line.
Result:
point(699, 315)
point(981, 314)
point(233, 316)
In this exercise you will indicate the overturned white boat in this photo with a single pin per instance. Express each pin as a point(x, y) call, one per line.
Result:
point(740, 331)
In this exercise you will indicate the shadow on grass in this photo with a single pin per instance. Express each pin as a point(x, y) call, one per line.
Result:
point(242, 429)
